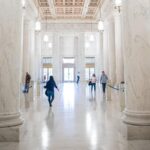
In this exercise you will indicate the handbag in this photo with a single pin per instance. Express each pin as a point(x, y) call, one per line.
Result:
point(90, 83)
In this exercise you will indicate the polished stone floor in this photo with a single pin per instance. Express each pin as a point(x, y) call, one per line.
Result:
point(78, 120)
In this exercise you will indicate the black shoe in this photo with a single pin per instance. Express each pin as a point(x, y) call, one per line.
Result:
point(50, 105)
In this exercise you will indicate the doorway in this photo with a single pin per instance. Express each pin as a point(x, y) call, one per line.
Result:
point(68, 74)
point(68, 70)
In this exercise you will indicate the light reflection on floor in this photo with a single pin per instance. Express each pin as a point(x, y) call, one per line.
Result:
point(78, 120)
point(69, 96)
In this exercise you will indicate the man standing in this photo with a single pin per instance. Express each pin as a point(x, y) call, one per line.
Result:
point(103, 81)
point(27, 82)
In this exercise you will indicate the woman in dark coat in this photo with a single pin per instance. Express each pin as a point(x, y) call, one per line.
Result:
point(50, 85)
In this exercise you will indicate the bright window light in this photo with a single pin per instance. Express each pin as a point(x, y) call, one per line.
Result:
point(45, 39)
point(87, 45)
point(68, 60)
point(50, 45)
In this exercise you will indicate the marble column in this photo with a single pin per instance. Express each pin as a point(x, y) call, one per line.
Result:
point(32, 49)
point(101, 50)
point(28, 49)
point(137, 68)
point(105, 49)
point(81, 56)
point(99, 54)
point(26, 60)
point(118, 47)
point(10, 65)
point(38, 60)
point(57, 62)
point(111, 51)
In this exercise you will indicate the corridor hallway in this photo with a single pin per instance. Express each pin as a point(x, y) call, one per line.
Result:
point(77, 121)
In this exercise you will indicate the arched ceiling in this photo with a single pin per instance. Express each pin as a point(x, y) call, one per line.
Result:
point(68, 9)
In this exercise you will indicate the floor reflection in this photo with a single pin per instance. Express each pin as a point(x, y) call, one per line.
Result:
point(69, 96)
point(78, 120)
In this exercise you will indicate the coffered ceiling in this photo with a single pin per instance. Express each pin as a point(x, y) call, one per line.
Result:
point(68, 9)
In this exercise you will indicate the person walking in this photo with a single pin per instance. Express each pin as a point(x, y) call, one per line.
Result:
point(50, 85)
point(93, 82)
point(103, 81)
point(78, 77)
point(27, 82)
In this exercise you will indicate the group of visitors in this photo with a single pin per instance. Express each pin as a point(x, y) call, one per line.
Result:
point(50, 85)
point(93, 80)
point(103, 81)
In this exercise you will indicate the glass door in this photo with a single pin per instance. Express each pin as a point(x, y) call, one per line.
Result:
point(47, 72)
point(68, 74)
point(89, 72)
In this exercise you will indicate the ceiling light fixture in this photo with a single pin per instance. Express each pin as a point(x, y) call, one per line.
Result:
point(118, 4)
point(23, 3)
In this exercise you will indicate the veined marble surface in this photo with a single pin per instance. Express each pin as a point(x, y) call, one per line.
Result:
point(77, 121)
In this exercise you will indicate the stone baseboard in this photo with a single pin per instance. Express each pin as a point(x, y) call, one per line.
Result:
point(132, 132)
point(10, 134)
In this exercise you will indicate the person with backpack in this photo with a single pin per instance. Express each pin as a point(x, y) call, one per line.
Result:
point(50, 85)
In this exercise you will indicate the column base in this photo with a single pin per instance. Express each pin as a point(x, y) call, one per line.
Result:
point(10, 127)
point(132, 132)
point(136, 125)
point(10, 134)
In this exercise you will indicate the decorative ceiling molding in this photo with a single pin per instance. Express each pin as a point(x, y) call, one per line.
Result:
point(52, 8)
point(85, 8)
point(68, 9)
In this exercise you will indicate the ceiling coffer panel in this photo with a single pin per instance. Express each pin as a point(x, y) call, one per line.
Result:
point(67, 9)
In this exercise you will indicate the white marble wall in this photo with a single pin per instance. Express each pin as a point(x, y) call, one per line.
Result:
point(10, 65)
point(137, 68)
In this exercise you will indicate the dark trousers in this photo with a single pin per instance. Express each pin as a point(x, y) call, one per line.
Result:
point(50, 95)
point(26, 87)
point(103, 87)
point(93, 85)
point(78, 79)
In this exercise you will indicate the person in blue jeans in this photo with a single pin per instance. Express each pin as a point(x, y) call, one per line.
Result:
point(103, 81)
point(50, 85)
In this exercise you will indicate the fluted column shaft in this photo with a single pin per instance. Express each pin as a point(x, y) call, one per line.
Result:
point(57, 61)
point(119, 47)
point(111, 51)
point(105, 49)
point(10, 64)
point(81, 56)
point(137, 68)
point(99, 55)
